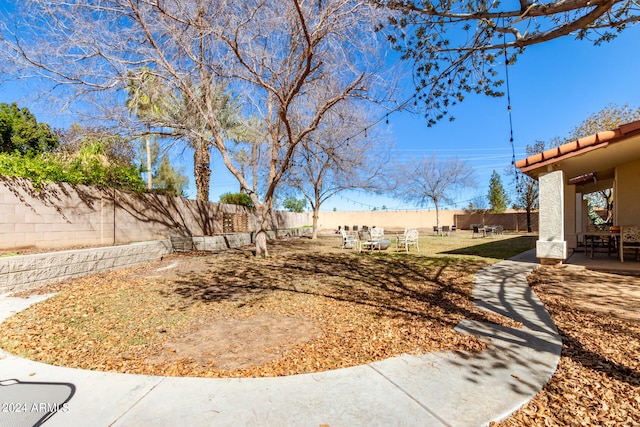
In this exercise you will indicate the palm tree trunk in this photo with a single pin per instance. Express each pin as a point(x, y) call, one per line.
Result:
point(201, 169)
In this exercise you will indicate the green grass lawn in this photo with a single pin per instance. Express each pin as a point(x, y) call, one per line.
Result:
point(463, 244)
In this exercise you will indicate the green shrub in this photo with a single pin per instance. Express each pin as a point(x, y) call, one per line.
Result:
point(88, 170)
point(242, 199)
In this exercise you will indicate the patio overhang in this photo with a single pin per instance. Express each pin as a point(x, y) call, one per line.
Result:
point(596, 155)
point(605, 160)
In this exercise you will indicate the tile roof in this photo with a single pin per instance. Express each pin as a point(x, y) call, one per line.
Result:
point(579, 146)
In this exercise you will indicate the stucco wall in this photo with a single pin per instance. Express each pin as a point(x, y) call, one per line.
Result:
point(63, 215)
point(551, 245)
point(393, 220)
point(627, 193)
point(425, 219)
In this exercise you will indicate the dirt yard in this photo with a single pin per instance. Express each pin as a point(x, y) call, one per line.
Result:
point(598, 378)
point(312, 307)
point(309, 307)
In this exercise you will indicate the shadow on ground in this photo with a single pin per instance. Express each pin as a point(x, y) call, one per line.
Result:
point(494, 249)
point(31, 403)
point(394, 285)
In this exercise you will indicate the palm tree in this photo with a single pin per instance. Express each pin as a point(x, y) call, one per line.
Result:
point(145, 98)
point(185, 112)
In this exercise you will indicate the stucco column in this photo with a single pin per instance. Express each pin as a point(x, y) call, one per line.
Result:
point(551, 247)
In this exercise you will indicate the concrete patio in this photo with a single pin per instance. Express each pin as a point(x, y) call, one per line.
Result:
point(601, 261)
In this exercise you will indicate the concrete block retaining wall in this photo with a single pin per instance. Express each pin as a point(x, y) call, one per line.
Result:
point(24, 272)
point(18, 273)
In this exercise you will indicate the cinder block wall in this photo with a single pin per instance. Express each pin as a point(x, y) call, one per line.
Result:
point(23, 272)
point(62, 215)
point(19, 273)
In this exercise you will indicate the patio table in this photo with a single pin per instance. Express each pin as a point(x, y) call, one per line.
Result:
point(489, 229)
point(599, 234)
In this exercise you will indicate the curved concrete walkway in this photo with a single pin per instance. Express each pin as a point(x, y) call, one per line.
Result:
point(436, 389)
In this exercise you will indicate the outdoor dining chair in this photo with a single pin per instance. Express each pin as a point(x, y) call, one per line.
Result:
point(349, 241)
point(409, 238)
point(377, 233)
point(367, 241)
point(629, 239)
point(478, 229)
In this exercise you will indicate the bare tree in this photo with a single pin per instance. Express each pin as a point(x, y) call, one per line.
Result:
point(527, 187)
point(288, 59)
point(428, 179)
point(332, 159)
point(457, 45)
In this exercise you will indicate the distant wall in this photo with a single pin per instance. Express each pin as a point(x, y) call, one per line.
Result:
point(513, 221)
point(62, 215)
point(389, 219)
point(424, 219)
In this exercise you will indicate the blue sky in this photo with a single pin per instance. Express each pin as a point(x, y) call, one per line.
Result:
point(553, 86)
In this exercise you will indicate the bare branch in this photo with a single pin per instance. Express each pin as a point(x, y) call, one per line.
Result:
point(456, 45)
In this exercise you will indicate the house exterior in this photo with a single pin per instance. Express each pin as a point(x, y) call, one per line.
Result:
point(608, 159)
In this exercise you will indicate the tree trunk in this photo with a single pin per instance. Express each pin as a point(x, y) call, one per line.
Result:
point(529, 229)
point(261, 244)
point(261, 232)
point(201, 169)
point(314, 234)
point(149, 173)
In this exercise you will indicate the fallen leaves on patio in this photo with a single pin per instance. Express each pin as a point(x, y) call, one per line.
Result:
point(219, 315)
point(598, 379)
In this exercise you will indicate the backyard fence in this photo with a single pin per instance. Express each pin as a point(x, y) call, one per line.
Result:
point(426, 219)
point(62, 215)
point(513, 221)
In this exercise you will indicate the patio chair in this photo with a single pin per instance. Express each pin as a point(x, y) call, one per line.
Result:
point(446, 230)
point(629, 239)
point(348, 241)
point(368, 242)
point(409, 238)
point(436, 230)
point(478, 229)
point(377, 233)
